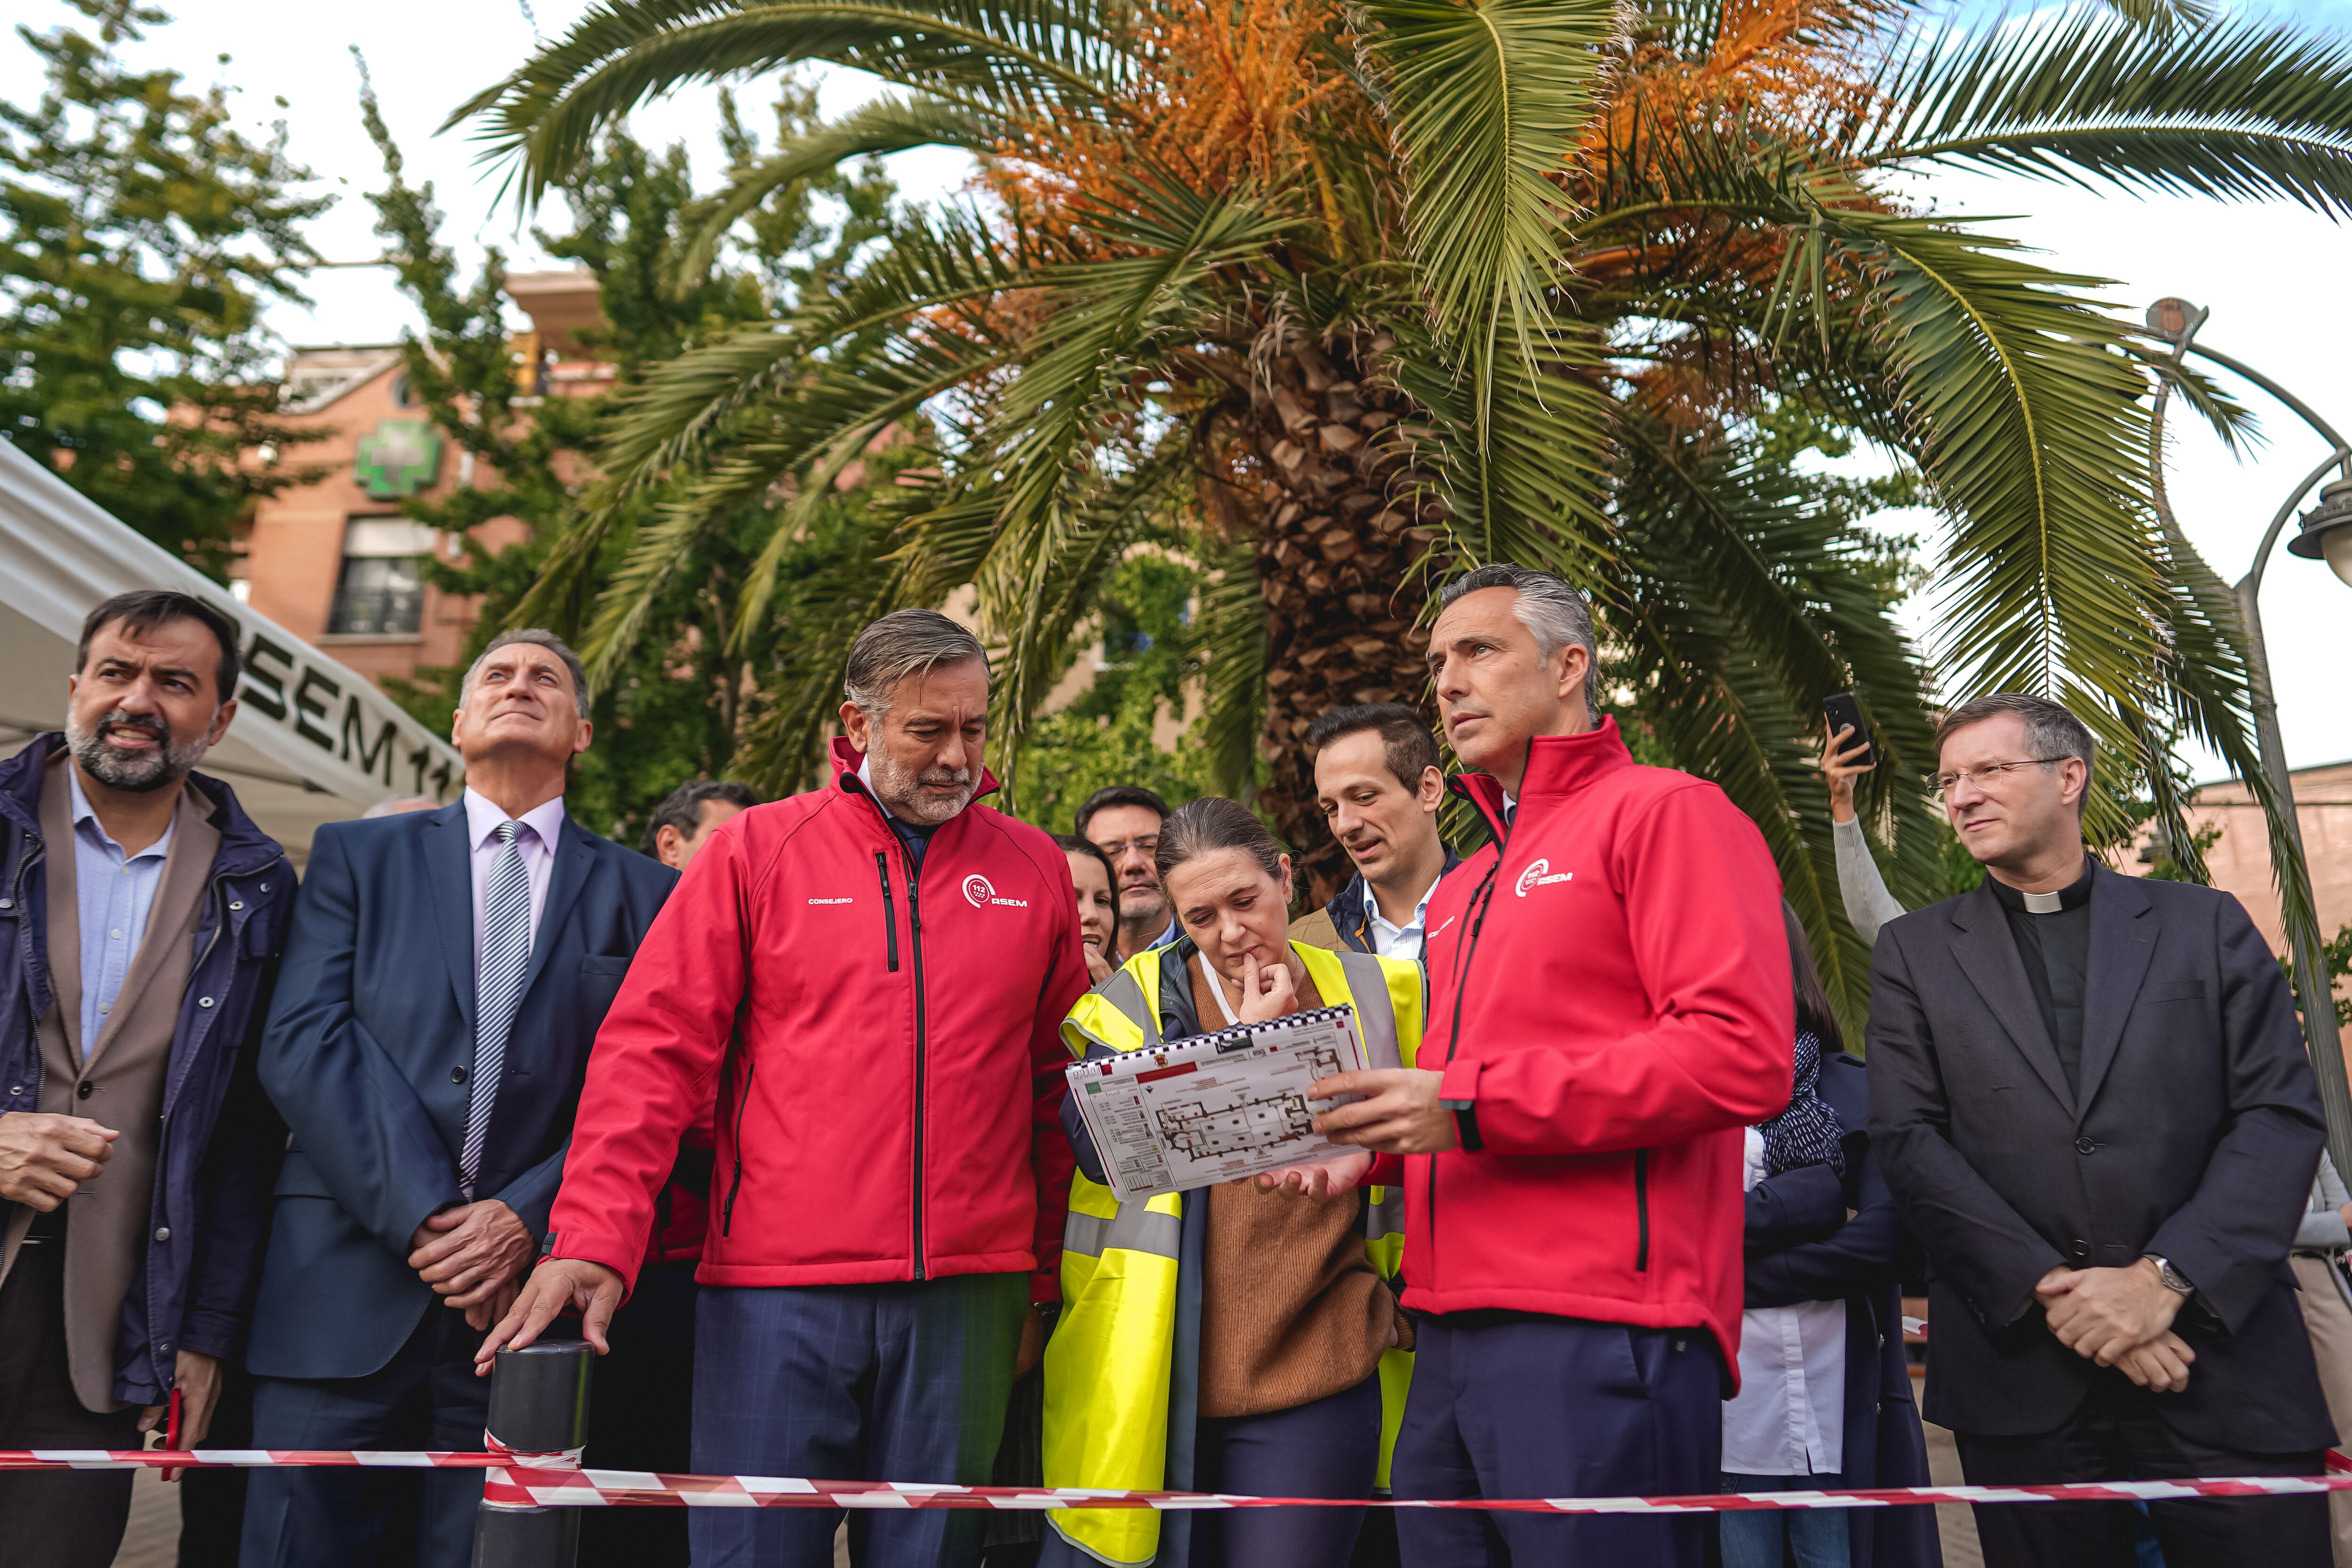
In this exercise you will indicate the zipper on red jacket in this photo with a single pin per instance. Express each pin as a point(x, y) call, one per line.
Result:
point(1482, 898)
point(889, 915)
point(1641, 1211)
point(735, 1182)
point(915, 946)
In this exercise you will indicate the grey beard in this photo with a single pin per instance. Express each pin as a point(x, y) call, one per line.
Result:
point(898, 790)
point(135, 772)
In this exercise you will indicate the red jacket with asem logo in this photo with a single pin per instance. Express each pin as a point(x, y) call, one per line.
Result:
point(884, 1046)
point(1611, 1004)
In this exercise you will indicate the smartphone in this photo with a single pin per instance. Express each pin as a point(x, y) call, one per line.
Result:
point(1845, 712)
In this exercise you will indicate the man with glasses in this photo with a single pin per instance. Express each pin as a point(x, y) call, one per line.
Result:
point(2093, 1107)
point(1123, 821)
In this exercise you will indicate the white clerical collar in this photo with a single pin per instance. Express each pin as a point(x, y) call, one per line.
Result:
point(2043, 903)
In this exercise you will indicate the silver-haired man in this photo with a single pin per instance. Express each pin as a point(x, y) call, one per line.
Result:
point(873, 976)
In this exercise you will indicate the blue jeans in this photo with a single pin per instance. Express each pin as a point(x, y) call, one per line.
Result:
point(901, 1383)
point(1802, 1537)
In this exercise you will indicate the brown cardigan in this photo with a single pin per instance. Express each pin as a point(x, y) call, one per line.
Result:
point(1292, 1309)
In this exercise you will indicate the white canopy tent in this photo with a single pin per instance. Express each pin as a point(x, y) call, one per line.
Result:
point(313, 741)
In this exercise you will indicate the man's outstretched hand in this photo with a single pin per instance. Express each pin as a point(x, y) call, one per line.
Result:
point(593, 1289)
point(1398, 1115)
point(2101, 1315)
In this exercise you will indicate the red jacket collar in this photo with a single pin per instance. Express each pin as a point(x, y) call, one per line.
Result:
point(1558, 765)
point(847, 759)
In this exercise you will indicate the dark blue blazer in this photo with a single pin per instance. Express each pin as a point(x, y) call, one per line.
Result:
point(373, 1019)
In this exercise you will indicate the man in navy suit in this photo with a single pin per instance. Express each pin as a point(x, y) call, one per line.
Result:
point(443, 980)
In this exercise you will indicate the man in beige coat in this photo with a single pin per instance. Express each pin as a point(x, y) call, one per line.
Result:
point(141, 914)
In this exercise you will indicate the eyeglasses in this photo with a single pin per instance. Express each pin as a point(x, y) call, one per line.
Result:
point(1985, 777)
point(1148, 844)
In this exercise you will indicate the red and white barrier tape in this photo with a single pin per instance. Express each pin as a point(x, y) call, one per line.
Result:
point(513, 1485)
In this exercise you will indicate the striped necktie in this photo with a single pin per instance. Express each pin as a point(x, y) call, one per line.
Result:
point(497, 989)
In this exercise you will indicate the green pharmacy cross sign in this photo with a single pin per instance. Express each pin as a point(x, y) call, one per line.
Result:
point(401, 458)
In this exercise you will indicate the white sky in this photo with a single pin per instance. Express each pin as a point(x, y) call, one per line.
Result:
point(2274, 277)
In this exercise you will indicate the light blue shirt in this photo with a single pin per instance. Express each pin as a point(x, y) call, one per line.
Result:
point(1398, 941)
point(115, 892)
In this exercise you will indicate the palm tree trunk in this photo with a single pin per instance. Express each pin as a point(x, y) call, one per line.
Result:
point(1339, 534)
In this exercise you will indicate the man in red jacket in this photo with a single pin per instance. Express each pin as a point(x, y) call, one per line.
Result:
point(872, 978)
point(1609, 1005)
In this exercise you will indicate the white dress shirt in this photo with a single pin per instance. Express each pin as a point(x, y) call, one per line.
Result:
point(1790, 1417)
point(535, 843)
point(1404, 941)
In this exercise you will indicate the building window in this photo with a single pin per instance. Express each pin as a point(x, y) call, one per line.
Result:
point(381, 593)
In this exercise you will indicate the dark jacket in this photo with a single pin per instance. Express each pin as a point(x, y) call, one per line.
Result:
point(220, 1140)
point(1343, 920)
point(372, 1022)
point(1803, 1247)
point(2193, 1136)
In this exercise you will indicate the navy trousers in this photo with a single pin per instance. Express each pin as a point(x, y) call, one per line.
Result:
point(640, 1417)
point(901, 1383)
point(1329, 1448)
point(1517, 1405)
point(426, 1396)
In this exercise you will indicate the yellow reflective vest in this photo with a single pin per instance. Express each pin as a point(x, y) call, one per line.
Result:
point(1111, 1363)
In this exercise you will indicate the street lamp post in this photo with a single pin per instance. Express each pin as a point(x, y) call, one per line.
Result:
point(2326, 534)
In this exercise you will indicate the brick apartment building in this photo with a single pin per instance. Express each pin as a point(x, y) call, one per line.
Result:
point(2240, 860)
point(334, 561)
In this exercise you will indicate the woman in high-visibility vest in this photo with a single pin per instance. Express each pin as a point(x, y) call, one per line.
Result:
point(1237, 1338)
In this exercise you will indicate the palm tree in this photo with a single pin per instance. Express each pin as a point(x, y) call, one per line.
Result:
point(1351, 295)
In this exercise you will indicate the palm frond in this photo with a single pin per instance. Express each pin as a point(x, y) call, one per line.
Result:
point(1233, 676)
point(1486, 100)
point(1103, 323)
point(891, 124)
point(1036, 631)
point(541, 120)
point(1738, 609)
point(2245, 111)
point(933, 262)
point(2028, 430)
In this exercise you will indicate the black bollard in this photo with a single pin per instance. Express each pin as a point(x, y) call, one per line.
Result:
point(538, 1404)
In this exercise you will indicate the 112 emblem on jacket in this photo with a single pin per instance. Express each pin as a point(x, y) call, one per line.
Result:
point(977, 889)
point(1540, 874)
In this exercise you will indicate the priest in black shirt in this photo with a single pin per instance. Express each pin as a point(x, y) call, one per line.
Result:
point(2091, 1102)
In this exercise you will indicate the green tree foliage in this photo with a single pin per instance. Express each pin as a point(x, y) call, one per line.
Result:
point(140, 234)
point(2338, 955)
point(675, 694)
point(1149, 677)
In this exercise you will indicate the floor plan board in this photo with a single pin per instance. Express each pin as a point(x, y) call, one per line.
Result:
point(1216, 1106)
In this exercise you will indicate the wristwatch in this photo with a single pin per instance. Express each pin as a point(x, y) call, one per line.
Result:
point(2174, 1279)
